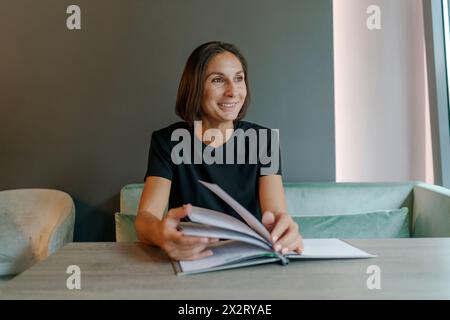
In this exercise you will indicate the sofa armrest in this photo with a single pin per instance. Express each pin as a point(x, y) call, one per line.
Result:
point(431, 211)
point(125, 230)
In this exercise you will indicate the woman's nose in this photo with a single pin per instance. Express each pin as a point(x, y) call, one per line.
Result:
point(230, 90)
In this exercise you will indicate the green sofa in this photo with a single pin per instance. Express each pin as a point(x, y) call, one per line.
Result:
point(428, 205)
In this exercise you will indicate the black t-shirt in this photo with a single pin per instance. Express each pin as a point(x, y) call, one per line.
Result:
point(240, 180)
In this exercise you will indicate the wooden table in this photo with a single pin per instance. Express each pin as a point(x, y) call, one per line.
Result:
point(410, 269)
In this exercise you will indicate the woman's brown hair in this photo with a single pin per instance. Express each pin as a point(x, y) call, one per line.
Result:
point(190, 91)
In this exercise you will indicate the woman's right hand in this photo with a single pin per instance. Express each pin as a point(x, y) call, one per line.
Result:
point(177, 245)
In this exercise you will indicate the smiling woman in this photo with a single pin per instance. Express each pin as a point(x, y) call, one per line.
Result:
point(215, 74)
point(213, 91)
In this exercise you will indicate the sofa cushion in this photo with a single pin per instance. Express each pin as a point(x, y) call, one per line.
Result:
point(328, 198)
point(376, 224)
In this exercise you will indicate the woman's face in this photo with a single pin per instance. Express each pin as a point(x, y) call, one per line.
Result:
point(224, 88)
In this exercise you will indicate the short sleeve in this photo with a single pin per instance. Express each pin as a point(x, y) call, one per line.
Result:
point(159, 160)
point(269, 162)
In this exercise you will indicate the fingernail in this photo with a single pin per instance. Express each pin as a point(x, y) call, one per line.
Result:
point(278, 247)
point(274, 238)
point(284, 251)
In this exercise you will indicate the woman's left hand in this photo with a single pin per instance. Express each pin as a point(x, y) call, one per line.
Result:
point(283, 231)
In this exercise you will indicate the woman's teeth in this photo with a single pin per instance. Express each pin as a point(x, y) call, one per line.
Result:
point(227, 105)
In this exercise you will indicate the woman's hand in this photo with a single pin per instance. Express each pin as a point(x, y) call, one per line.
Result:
point(177, 245)
point(283, 231)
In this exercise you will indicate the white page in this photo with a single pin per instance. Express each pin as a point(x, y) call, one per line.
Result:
point(245, 263)
point(329, 249)
point(200, 230)
point(222, 220)
point(224, 253)
point(244, 213)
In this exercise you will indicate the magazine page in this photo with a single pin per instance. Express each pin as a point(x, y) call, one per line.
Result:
point(244, 213)
point(226, 252)
point(328, 249)
point(222, 220)
point(201, 230)
point(245, 263)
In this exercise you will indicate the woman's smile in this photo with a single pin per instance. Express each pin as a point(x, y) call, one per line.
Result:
point(228, 106)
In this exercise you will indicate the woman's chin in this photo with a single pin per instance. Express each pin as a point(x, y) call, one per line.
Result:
point(229, 116)
point(222, 116)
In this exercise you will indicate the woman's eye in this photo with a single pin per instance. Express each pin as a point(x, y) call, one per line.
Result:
point(239, 78)
point(217, 80)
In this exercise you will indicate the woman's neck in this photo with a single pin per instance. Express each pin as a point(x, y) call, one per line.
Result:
point(225, 128)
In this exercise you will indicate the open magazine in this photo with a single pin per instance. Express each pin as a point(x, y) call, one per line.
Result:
point(248, 243)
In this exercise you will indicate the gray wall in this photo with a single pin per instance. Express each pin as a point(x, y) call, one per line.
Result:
point(78, 107)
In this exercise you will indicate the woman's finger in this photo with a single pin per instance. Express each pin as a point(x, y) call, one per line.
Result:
point(183, 240)
point(179, 213)
point(299, 248)
point(287, 240)
point(268, 220)
point(282, 223)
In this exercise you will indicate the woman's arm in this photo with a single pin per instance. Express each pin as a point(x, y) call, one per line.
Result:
point(153, 228)
point(154, 198)
point(284, 230)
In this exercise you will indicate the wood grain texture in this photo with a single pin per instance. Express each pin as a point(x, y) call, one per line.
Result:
point(410, 269)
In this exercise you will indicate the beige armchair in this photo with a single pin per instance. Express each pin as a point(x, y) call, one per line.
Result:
point(34, 223)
